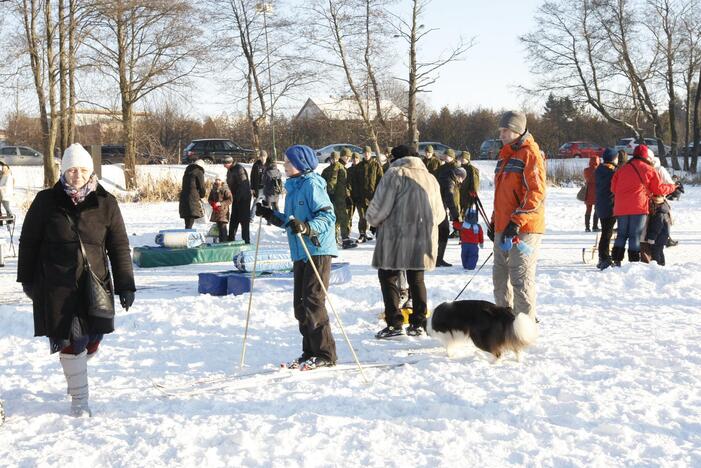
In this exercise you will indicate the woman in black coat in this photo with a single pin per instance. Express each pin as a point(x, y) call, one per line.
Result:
point(52, 272)
point(272, 184)
point(193, 190)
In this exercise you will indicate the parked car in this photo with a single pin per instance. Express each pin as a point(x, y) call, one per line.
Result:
point(114, 154)
point(22, 156)
point(579, 149)
point(215, 150)
point(489, 149)
point(324, 153)
point(629, 144)
point(438, 148)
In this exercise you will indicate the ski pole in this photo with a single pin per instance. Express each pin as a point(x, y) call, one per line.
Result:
point(473, 276)
point(328, 298)
point(250, 294)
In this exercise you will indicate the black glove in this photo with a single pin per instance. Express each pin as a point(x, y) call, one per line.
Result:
point(373, 230)
point(349, 201)
point(264, 211)
point(510, 231)
point(28, 289)
point(126, 298)
point(490, 231)
point(298, 227)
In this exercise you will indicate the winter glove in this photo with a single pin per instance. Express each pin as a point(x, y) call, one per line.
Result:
point(349, 202)
point(510, 231)
point(457, 225)
point(264, 211)
point(299, 227)
point(373, 230)
point(214, 206)
point(490, 231)
point(126, 298)
point(28, 289)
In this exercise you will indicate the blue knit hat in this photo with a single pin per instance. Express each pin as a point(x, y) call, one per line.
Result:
point(302, 158)
point(609, 155)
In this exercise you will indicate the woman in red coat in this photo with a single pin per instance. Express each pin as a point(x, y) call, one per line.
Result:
point(590, 199)
point(633, 185)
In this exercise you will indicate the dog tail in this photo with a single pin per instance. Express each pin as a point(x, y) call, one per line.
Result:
point(525, 329)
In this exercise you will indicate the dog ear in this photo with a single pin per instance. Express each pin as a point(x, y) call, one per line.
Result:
point(510, 311)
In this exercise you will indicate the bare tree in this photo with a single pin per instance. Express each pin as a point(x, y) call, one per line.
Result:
point(422, 74)
point(144, 46)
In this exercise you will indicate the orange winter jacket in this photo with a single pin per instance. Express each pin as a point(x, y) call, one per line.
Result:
point(519, 187)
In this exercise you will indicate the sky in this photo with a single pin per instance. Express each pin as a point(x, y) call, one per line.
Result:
point(488, 75)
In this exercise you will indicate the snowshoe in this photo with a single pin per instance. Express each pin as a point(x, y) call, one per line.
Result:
point(389, 332)
point(315, 363)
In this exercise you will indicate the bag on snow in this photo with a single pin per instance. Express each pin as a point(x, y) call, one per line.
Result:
point(582, 194)
point(268, 260)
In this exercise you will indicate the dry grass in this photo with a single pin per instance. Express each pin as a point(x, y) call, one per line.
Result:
point(152, 190)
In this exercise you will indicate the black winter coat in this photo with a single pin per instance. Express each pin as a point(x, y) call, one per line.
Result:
point(193, 190)
point(272, 184)
point(257, 171)
point(239, 185)
point(450, 190)
point(50, 258)
point(604, 197)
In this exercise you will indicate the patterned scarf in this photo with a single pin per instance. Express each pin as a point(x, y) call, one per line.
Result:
point(77, 196)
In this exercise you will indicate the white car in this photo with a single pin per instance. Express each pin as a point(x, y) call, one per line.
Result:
point(629, 144)
point(22, 156)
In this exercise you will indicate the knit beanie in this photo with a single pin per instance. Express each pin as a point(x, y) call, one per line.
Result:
point(466, 156)
point(513, 120)
point(302, 158)
point(429, 149)
point(609, 155)
point(368, 149)
point(76, 156)
point(459, 172)
point(449, 152)
point(346, 153)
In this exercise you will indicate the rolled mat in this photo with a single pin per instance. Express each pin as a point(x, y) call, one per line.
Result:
point(149, 256)
point(179, 238)
point(238, 282)
point(268, 260)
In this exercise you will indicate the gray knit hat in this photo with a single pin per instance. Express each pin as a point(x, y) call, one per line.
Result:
point(513, 120)
point(459, 172)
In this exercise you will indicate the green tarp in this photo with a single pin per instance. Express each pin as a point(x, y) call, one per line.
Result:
point(149, 257)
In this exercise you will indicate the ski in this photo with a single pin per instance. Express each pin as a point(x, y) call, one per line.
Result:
point(270, 376)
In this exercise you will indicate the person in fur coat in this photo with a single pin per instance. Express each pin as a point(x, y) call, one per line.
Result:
point(406, 211)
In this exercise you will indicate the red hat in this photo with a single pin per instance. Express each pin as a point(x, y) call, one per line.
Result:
point(642, 151)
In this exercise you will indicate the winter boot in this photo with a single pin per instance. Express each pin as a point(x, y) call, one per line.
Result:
point(349, 243)
point(75, 368)
point(389, 332)
point(441, 251)
point(587, 218)
point(315, 362)
point(604, 263)
point(296, 363)
point(617, 255)
point(595, 228)
point(633, 255)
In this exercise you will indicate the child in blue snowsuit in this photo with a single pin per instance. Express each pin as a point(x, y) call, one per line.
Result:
point(471, 235)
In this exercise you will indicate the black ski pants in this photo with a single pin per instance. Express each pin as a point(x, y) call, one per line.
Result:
point(240, 214)
point(310, 308)
point(605, 237)
point(389, 284)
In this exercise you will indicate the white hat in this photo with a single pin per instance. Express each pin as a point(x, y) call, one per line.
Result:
point(76, 156)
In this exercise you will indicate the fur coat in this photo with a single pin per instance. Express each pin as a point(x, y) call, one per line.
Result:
point(406, 210)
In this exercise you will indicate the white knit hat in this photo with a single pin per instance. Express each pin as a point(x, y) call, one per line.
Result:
point(76, 156)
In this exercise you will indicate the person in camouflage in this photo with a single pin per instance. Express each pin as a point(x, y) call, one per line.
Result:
point(366, 176)
point(388, 159)
point(353, 159)
point(431, 161)
point(471, 185)
point(450, 193)
point(336, 178)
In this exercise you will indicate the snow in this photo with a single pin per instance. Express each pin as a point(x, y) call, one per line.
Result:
point(613, 380)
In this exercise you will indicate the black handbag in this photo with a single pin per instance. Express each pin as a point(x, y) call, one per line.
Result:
point(98, 296)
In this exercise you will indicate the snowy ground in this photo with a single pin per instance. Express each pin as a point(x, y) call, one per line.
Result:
point(614, 379)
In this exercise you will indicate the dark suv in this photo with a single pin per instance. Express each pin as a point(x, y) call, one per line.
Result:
point(114, 154)
point(215, 150)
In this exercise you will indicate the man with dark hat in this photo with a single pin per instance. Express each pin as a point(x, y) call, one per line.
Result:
point(604, 205)
point(309, 212)
point(366, 176)
point(450, 194)
point(431, 161)
point(519, 214)
point(470, 187)
point(336, 186)
point(240, 187)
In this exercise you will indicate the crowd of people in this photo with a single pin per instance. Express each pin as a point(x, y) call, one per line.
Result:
point(73, 229)
point(633, 194)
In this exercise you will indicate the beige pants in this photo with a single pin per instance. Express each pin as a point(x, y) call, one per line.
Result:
point(513, 275)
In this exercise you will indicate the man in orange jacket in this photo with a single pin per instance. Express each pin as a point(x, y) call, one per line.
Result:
point(519, 215)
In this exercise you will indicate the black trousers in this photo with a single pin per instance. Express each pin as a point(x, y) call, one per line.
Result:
point(310, 308)
point(189, 222)
point(605, 237)
point(240, 214)
point(222, 232)
point(443, 231)
point(389, 284)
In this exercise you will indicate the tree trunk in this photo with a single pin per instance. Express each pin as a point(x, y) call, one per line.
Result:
point(697, 127)
point(413, 135)
point(62, 73)
point(72, 50)
point(49, 167)
point(130, 145)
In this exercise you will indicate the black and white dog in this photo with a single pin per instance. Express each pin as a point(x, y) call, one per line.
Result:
point(491, 328)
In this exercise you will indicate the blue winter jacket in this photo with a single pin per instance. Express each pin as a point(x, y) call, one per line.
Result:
point(307, 201)
point(604, 197)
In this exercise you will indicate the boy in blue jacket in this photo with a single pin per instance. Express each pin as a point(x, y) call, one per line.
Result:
point(308, 211)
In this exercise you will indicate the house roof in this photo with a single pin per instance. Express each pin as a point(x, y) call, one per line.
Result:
point(345, 109)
